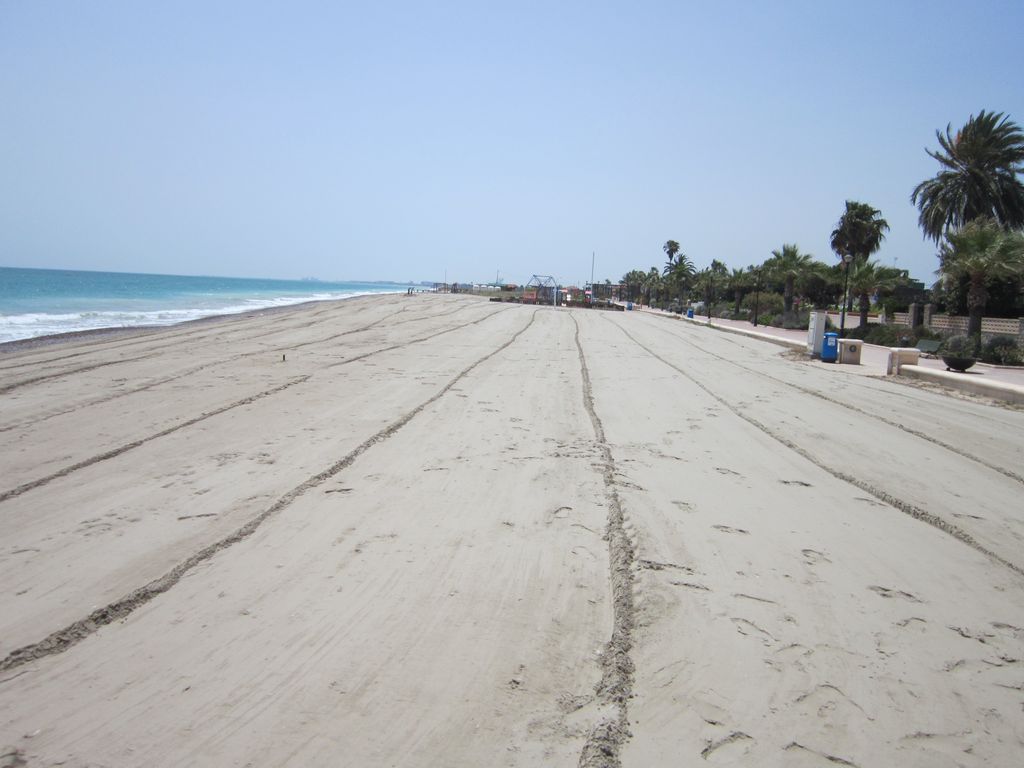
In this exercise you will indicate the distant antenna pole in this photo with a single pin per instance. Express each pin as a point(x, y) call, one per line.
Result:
point(592, 256)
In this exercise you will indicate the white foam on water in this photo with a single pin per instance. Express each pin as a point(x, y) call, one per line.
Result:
point(35, 324)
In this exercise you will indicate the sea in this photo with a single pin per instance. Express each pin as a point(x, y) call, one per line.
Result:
point(40, 302)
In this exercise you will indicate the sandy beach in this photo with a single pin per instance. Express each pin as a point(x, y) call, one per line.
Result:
point(433, 530)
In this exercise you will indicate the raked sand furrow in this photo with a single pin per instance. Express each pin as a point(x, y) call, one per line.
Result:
point(534, 541)
point(873, 414)
point(606, 738)
point(189, 422)
point(881, 494)
point(66, 637)
point(387, 319)
point(778, 605)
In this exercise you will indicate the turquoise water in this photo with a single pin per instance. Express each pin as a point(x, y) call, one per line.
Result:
point(38, 302)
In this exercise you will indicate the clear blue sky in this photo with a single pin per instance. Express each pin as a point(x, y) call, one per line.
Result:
point(399, 140)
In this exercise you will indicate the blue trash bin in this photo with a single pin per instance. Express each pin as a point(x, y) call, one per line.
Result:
point(830, 348)
point(689, 312)
point(629, 305)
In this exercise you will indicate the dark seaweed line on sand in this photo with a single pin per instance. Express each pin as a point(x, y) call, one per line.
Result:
point(62, 639)
point(605, 739)
point(909, 430)
point(113, 452)
point(915, 512)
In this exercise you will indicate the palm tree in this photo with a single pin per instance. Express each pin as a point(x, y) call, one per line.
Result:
point(633, 280)
point(671, 248)
point(822, 284)
point(978, 179)
point(651, 284)
point(869, 278)
point(981, 252)
point(787, 265)
point(740, 281)
point(679, 271)
point(859, 232)
point(705, 283)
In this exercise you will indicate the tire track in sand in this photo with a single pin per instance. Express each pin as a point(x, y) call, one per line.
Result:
point(212, 364)
point(204, 328)
point(605, 739)
point(213, 326)
point(114, 452)
point(36, 379)
point(886, 498)
point(176, 343)
point(850, 407)
point(63, 639)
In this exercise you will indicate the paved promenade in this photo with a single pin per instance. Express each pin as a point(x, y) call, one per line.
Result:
point(873, 358)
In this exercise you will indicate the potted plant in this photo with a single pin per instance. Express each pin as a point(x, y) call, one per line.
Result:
point(957, 352)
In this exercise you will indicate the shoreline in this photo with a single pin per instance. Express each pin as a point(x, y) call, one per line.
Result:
point(96, 334)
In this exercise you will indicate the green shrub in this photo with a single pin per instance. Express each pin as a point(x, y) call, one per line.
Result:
point(1002, 350)
point(859, 332)
point(924, 332)
point(959, 346)
point(767, 303)
point(885, 335)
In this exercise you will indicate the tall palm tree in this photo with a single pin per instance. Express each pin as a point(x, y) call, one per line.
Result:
point(980, 164)
point(859, 232)
point(679, 271)
point(787, 265)
point(980, 252)
point(869, 278)
point(671, 248)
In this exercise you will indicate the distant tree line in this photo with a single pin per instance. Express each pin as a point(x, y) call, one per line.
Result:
point(973, 209)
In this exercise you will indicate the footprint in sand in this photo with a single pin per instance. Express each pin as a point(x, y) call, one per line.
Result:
point(813, 557)
point(729, 529)
point(890, 593)
point(750, 629)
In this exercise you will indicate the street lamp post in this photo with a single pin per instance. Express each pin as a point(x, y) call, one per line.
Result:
point(847, 259)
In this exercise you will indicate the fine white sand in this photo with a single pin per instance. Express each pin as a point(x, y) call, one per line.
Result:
point(435, 530)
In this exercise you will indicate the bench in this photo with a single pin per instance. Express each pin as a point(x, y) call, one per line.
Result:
point(928, 347)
